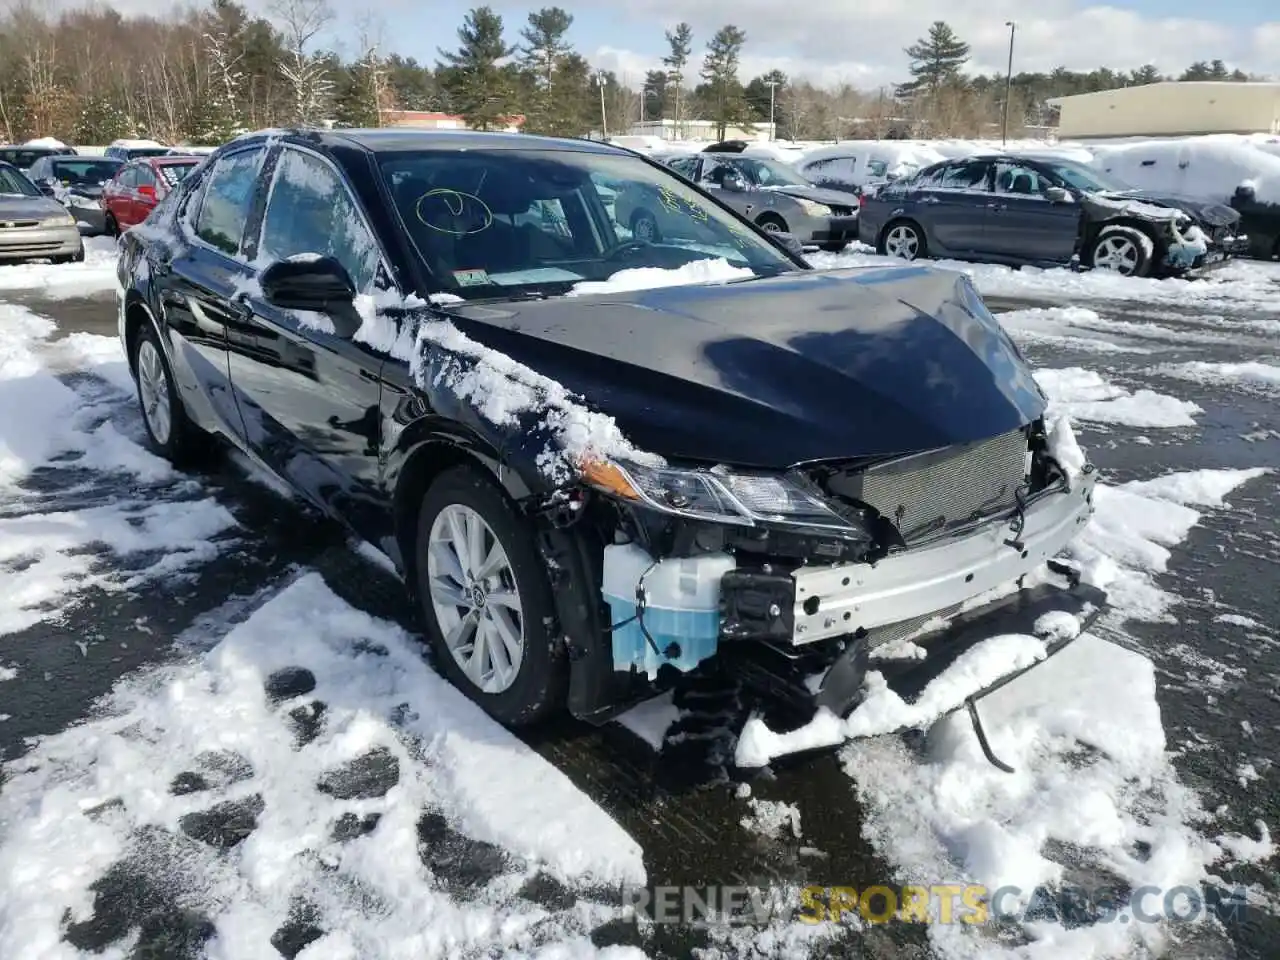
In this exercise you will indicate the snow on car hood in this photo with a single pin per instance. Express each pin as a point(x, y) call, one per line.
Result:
point(774, 371)
point(816, 194)
point(1204, 211)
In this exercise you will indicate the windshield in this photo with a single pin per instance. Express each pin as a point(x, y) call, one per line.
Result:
point(174, 173)
point(12, 182)
point(85, 172)
point(767, 173)
point(506, 222)
point(1085, 178)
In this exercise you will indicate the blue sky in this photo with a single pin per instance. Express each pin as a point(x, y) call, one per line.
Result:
point(860, 41)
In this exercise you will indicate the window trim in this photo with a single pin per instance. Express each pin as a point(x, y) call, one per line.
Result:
point(383, 268)
point(185, 213)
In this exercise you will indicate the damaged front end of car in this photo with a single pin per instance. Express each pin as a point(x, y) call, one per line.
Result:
point(799, 583)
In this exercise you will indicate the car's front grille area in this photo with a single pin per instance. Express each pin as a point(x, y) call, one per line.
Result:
point(840, 211)
point(927, 494)
point(18, 224)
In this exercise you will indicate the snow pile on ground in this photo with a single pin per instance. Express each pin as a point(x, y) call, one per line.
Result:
point(1251, 375)
point(1085, 395)
point(1240, 284)
point(1075, 328)
point(1209, 168)
point(46, 557)
point(52, 281)
point(1135, 524)
point(312, 771)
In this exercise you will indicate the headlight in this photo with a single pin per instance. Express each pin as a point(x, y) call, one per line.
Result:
point(59, 220)
point(814, 209)
point(721, 496)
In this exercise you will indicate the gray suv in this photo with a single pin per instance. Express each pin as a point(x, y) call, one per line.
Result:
point(764, 190)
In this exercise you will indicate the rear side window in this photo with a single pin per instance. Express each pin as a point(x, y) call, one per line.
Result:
point(227, 200)
point(310, 211)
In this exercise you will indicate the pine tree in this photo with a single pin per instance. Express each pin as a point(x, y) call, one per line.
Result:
point(478, 88)
point(680, 45)
point(935, 61)
point(1145, 75)
point(556, 77)
point(723, 91)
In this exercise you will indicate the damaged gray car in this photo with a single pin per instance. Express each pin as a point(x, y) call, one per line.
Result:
point(1021, 210)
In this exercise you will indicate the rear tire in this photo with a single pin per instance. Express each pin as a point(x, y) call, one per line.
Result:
point(112, 228)
point(486, 601)
point(170, 430)
point(903, 239)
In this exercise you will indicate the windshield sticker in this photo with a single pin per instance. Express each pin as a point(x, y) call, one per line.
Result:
point(453, 212)
point(471, 278)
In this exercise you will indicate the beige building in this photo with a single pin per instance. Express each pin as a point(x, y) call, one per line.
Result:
point(431, 120)
point(1173, 108)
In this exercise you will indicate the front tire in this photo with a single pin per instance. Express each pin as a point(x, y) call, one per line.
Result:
point(1121, 250)
point(112, 228)
point(772, 223)
point(486, 600)
point(170, 430)
point(835, 247)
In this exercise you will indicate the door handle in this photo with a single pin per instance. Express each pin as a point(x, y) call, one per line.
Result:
point(996, 206)
point(929, 200)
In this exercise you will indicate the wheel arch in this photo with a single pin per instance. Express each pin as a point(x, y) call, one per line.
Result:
point(418, 461)
point(136, 315)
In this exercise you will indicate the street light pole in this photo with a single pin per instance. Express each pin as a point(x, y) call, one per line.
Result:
point(773, 129)
point(604, 120)
point(1008, 85)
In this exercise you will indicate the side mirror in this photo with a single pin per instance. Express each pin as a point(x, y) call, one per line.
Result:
point(1057, 195)
point(148, 191)
point(46, 187)
point(786, 241)
point(735, 184)
point(314, 283)
point(1246, 191)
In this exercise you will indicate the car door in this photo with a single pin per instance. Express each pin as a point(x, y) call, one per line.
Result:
point(309, 398)
point(1025, 224)
point(200, 283)
point(953, 207)
point(145, 193)
point(117, 194)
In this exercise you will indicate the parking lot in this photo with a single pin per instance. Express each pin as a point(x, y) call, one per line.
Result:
point(217, 725)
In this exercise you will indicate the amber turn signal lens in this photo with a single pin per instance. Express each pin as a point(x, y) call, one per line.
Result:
point(603, 475)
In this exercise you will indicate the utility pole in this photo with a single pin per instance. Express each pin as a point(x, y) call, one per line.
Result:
point(604, 120)
point(1008, 85)
point(773, 128)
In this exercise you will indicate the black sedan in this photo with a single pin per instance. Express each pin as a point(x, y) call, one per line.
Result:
point(598, 462)
point(1046, 211)
point(76, 183)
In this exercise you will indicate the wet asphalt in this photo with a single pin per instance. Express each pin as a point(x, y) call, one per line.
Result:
point(689, 824)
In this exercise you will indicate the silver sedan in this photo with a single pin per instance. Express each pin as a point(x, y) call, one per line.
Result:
point(32, 226)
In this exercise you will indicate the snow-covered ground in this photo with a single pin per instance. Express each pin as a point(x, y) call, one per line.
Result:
point(296, 777)
point(96, 274)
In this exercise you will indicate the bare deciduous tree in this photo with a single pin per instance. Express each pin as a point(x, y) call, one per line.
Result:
point(306, 73)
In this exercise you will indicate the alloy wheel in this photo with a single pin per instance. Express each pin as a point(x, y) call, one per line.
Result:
point(475, 598)
point(153, 388)
point(1117, 253)
point(903, 242)
point(771, 226)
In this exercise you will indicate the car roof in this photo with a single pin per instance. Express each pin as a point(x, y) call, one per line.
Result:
point(394, 139)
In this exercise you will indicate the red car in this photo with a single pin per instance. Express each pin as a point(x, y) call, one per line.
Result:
point(138, 186)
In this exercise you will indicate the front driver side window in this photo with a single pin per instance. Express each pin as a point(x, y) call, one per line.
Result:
point(310, 211)
point(227, 200)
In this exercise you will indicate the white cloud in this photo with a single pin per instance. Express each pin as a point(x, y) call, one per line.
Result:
point(864, 43)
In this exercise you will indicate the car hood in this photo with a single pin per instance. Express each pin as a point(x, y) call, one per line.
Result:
point(1205, 211)
point(816, 194)
point(33, 208)
point(811, 365)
